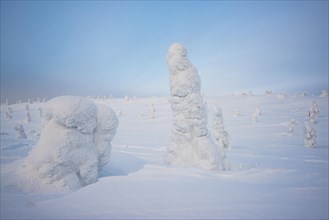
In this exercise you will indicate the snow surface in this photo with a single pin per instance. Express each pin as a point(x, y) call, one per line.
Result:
point(272, 175)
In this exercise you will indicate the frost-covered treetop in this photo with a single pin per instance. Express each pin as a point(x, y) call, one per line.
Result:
point(177, 49)
point(184, 78)
point(177, 58)
point(73, 112)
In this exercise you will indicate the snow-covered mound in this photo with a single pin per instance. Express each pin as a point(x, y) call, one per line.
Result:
point(191, 144)
point(75, 143)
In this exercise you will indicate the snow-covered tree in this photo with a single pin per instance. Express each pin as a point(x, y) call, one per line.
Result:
point(40, 111)
point(191, 144)
point(120, 113)
point(282, 95)
point(303, 94)
point(20, 132)
point(27, 117)
point(269, 92)
point(313, 112)
point(9, 113)
point(291, 126)
point(291, 130)
point(256, 114)
point(310, 132)
point(258, 111)
point(10, 110)
point(324, 93)
point(153, 111)
point(293, 122)
point(9, 116)
point(220, 134)
point(310, 135)
point(74, 145)
point(236, 113)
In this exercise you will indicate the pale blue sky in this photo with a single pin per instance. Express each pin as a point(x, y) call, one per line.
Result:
point(51, 48)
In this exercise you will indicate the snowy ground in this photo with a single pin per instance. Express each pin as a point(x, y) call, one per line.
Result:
point(272, 174)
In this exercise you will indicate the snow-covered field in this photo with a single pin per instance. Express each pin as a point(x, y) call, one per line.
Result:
point(271, 174)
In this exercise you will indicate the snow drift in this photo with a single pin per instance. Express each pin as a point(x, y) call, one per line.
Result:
point(272, 175)
point(74, 145)
point(191, 144)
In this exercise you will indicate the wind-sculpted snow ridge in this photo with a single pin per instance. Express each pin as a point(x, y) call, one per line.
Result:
point(191, 144)
point(74, 145)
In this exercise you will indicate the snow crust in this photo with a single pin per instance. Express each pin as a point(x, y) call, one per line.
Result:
point(272, 176)
point(74, 145)
point(191, 144)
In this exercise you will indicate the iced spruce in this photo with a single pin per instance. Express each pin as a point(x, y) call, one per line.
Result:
point(190, 144)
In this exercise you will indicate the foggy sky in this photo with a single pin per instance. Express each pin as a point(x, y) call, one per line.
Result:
point(51, 48)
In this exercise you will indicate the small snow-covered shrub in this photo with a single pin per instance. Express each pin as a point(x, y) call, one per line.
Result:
point(258, 111)
point(27, 117)
point(310, 132)
point(191, 144)
point(220, 134)
point(293, 122)
point(20, 132)
point(310, 135)
point(40, 112)
point(27, 107)
point(120, 113)
point(256, 114)
point(303, 94)
point(10, 110)
point(269, 92)
point(153, 111)
point(282, 95)
point(75, 143)
point(313, 112)
point(291, 126)
point(236, 113)
point(324, 93)
point(9, 116)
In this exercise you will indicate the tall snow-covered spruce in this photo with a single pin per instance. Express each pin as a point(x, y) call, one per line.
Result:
point(191, 144)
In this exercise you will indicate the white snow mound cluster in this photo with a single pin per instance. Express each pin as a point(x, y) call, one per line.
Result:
point(74, 145)
point(191, 144)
